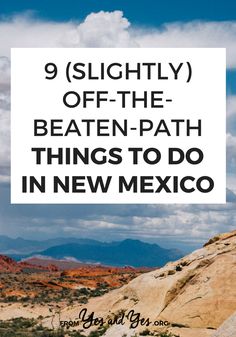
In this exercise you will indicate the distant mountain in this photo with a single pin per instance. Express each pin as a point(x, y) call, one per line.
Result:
point(21, 246)
point(128, 252)
point(61, 264)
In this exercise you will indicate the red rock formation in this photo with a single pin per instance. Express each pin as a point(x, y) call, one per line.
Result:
point(8, 265)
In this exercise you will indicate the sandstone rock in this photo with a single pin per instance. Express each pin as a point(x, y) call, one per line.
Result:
point(8, 265)
point(228, 328)
point(196, 295)
point(201, 295)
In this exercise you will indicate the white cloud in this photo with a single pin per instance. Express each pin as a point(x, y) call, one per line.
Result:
point(27, 32)
point(4, 118)
point(106, 29)
point(103, 29)
point(111, 29)
point(4, 73)
point(231, 115)
point(231, 105)
point(193, 34)
point(231, 153)
point(177, 225)
point(182, 224)
point(150, 222)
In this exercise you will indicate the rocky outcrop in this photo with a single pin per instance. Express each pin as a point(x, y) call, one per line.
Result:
point(8, 265)
point(196, 295)
point(196, 292)
point(228, 328)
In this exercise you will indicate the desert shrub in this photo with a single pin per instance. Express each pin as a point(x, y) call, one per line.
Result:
point(23, 323)
point(178, 268)
point(98, 292)
point(23, 327)
point(184, 263)
point(99, 332)
point(75, 334)
point(145, 332)
point(25, 299)
point(53, 334)
point(103, 285)
point(83, 291)
point(8, 333)
point(167, 334)
point(83, 300)
point(94, 334)
point(178, 325)
point(212, 240)
point(11, 299)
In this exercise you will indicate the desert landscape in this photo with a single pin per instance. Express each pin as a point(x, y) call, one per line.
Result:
point(118, 168)
point(39, 288)
point(194, 296)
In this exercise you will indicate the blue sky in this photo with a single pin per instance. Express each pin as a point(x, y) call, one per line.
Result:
point(231, 82)
point(148, 12)
point(182, 23)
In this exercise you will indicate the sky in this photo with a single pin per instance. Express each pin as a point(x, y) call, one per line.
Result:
point(118, 23)
point(150, 13)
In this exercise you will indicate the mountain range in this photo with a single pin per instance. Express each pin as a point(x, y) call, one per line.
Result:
point(20, 246)
point(118, 253)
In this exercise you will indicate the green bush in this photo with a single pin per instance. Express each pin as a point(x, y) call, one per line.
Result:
point(145, 333)
point(167, 334)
